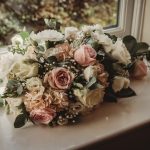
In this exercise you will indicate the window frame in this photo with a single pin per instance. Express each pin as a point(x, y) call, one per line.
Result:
point(130, 20)
point(131, 15)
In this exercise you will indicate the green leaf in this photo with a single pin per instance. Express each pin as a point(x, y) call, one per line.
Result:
point(130, 43)
point(128, 92)
point(142, 47)
point(24, 34)
point(1, 102)
point(20, 121)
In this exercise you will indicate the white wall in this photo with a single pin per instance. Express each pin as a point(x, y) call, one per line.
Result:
point(146, 25)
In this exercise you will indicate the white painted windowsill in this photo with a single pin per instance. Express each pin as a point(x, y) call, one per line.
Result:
point(109, 120)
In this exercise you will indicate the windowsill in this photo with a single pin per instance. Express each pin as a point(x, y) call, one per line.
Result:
point(106, 122)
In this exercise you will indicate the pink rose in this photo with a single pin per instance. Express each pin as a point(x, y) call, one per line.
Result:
point(85, 55)
point(42, 116)
point(59, 78)
point(140, 70)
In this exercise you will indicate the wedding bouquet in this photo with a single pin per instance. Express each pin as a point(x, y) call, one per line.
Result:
point(54, 78)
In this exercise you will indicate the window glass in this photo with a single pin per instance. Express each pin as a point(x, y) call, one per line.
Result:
point(15, 14)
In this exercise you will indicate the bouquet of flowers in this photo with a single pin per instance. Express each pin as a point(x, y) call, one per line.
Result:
point(54, 78)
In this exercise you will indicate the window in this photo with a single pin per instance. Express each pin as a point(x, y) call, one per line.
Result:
point(120, 17)
point(19, 13)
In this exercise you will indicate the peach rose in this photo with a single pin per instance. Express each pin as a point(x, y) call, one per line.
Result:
point(42, 116)
point(59, 78)
point(85, 55)
point(140, 70)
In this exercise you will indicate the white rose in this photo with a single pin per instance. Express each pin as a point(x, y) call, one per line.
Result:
point(89, 72)
point(24, 70)
point(71, 32)
point(6, 63)
point(17, 40)
point(90, 98)
point(120, 83)
point(33, 84)
point(47, 35)
point(120, 52)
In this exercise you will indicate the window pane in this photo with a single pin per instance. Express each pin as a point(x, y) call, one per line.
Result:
point(15, 14)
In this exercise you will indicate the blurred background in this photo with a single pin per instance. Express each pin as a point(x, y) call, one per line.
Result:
point(17, 14)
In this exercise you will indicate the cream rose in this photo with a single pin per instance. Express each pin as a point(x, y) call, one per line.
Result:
point(90, 98)
point(120, 83)
point(120, 52)
point(23, 70)
point(42, 116)
point(59, 78)
point(33, 84)
point(85, 55)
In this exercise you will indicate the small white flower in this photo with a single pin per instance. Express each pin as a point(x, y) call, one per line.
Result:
point(120, 52)
point(17, 40)
point(120, 83)
point(71, 32)
point(47, 35)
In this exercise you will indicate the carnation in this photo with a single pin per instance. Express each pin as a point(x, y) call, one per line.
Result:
point(47, 35)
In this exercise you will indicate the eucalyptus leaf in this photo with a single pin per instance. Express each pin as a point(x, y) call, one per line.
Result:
point(20, 90)
point(40, 48)
point(91, 82)
point(20, 121)
point(11, 84)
